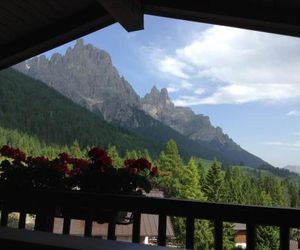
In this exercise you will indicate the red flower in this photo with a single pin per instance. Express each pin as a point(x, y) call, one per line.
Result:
point(128, 163)
point(154, 171)
point(13, 153)
point(61, 167)
point(64, 157)
point(100, 156)
point(37, 161)
point(140, 164)
point(79, 163)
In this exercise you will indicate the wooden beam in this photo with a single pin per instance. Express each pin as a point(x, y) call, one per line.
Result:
point(127, 12)
point(281, 18)
point(72, 27)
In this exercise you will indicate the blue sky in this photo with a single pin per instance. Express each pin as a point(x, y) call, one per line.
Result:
point(247, 82)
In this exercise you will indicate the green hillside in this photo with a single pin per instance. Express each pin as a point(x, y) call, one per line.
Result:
point(29, 107)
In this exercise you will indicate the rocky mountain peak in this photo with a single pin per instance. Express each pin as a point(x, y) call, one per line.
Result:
point(196, 126)
point(154, 92)
point(158, 98)
point(79, 44)
point(86, 75)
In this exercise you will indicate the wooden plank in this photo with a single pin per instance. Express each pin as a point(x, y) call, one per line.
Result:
point(162, 226)
point(88, 226)
point(25, 239)
point(136, 227)
point(22, 220)
point(251, 236)
point(252, 15)
point(68, 28)
point(189, 237)
point(4, 217)
point(284, 238)
point(67, 225)
point(111, 231)
point(218, 234)
point(127, 12)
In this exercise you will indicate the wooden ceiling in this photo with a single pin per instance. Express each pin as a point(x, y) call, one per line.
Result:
point(30, 27)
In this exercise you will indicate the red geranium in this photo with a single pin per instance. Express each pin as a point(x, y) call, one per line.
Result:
point(64, 157)
point(37, 161)
point(100, 156)
point(13, 153)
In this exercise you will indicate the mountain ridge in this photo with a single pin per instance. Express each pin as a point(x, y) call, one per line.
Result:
point(86, 75)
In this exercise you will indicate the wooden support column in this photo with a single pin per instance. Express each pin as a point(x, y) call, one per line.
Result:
point(128, 13)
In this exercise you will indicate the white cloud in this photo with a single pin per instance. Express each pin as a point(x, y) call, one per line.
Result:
point(250, 66)
point(173, 67)
point(294, 113)
point(199, 91)
point(172, 89)
point(183, 85)
point(294, 145)
point(187, 101)
point(239, 93)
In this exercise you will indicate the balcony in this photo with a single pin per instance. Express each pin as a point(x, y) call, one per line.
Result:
point(90, 207)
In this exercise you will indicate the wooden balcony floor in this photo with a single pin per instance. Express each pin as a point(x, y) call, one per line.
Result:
point(14, 239)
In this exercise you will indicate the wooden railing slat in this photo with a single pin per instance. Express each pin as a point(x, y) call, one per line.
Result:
point(88, 226)
point(284, 237)
point(189, 237)
point(136, 227)
point(251, 236)
point(111, 232)
point(22, 220)
point(4, 217)
point(162, 227)
point(44, 220)
point(218, 230)
point(67, 225)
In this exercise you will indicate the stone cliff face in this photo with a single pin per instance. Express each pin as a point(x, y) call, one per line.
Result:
point(86, 75)
point(196, 126)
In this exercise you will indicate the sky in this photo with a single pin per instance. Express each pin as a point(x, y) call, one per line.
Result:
point(247, 82)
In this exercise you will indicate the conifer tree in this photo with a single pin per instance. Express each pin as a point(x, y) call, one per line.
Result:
point(114, 155)
point(171, 165)
point(214, 184)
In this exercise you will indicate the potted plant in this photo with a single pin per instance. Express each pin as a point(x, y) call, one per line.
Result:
point(94, 174)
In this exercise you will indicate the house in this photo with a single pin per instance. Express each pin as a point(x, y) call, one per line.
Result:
point(240, 235)
point(148, 228)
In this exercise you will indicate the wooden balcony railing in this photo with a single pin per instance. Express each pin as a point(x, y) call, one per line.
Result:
point(89, 207)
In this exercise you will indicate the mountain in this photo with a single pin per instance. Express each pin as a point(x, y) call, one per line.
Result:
point(85, 74)
point(195, 126)
point(293, 168)
point(31, 108)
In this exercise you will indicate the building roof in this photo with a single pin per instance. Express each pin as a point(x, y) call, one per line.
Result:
point(30, 27)
point(239, 226)
point(149, 225)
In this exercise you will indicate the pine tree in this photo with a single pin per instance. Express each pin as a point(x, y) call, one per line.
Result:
point(190, 188)
point(171, 165)
point(114, 155)
point(235, 190)
point(214, 183)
